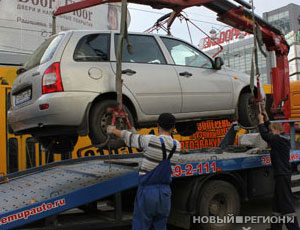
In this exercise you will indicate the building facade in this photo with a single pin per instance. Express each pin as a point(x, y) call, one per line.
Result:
point(238, 54)
point(27, 23)
point(287, 19)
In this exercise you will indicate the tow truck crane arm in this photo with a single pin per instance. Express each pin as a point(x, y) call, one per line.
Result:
point(236, 16)
point(274, 41)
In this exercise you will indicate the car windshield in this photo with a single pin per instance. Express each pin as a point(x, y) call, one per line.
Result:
point(44, 53)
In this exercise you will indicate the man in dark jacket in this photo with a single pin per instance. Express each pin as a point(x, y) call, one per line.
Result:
point(282, 204)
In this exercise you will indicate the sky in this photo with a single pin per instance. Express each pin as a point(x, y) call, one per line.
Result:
point(143, 17)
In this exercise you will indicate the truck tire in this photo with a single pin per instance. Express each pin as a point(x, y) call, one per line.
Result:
point(100, 119)
point(217, 198)
point(248, 110)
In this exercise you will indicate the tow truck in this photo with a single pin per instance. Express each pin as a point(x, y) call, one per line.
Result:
point(205, 180)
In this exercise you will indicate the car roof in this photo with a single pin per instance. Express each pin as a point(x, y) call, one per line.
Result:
point(110, 31)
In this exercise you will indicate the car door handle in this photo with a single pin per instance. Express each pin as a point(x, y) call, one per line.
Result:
point(185, 74)
point(128, 72)
point(35, 74)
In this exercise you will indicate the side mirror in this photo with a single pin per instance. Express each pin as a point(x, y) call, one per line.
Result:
point(218, 63)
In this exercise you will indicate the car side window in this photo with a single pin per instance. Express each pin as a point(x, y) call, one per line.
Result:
point(93, 48)
point(185, 55)
point(144, 49)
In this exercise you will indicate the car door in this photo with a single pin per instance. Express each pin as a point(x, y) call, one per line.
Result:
point(154, 84)
point(204, 88)
point(85, 64)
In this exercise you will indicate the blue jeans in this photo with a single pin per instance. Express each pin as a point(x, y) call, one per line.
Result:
point(152, 207)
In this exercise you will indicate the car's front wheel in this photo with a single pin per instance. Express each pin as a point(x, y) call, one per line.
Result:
point(248, 110)
point(100, 118)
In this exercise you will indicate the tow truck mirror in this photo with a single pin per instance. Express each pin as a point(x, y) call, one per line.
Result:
point(218, 62)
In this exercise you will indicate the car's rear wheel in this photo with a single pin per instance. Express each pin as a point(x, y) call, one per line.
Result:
point(58, 144)
point(248, 110)
point(100, 119)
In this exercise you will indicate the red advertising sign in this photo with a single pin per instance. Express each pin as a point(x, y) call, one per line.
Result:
point(222, 37)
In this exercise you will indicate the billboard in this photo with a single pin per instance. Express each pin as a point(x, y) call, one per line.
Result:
point(223, 37)
point(24, 24)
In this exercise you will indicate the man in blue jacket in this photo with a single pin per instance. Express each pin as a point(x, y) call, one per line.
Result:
point(282, 204)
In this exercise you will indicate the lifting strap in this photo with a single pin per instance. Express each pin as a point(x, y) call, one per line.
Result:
point(254, 59)
point(123, 35)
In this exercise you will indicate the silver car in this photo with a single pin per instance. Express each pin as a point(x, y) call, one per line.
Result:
point(64, 90)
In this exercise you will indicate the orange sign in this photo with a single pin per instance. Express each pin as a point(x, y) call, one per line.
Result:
point(209, 134)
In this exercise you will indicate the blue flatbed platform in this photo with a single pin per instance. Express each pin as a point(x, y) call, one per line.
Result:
point(41, 192)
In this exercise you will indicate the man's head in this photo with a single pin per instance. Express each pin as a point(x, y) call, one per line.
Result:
point(166, 121)
point(276, 128)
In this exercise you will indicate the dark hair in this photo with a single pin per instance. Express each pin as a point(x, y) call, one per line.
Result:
point(166, 121)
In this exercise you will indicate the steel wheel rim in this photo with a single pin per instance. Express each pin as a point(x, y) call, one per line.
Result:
point(106, 120)
point(218, 205)
point(252, 111)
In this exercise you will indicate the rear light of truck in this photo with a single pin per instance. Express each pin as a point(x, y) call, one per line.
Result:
point(51, 81)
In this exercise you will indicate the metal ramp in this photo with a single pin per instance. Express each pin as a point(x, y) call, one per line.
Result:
point(45, 191)
point(48, 190)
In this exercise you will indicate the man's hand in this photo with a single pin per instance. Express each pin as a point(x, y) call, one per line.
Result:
point(263, 111)
point(110, 129)
point(265, 115)
point(260, 118)
point(113, 130)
